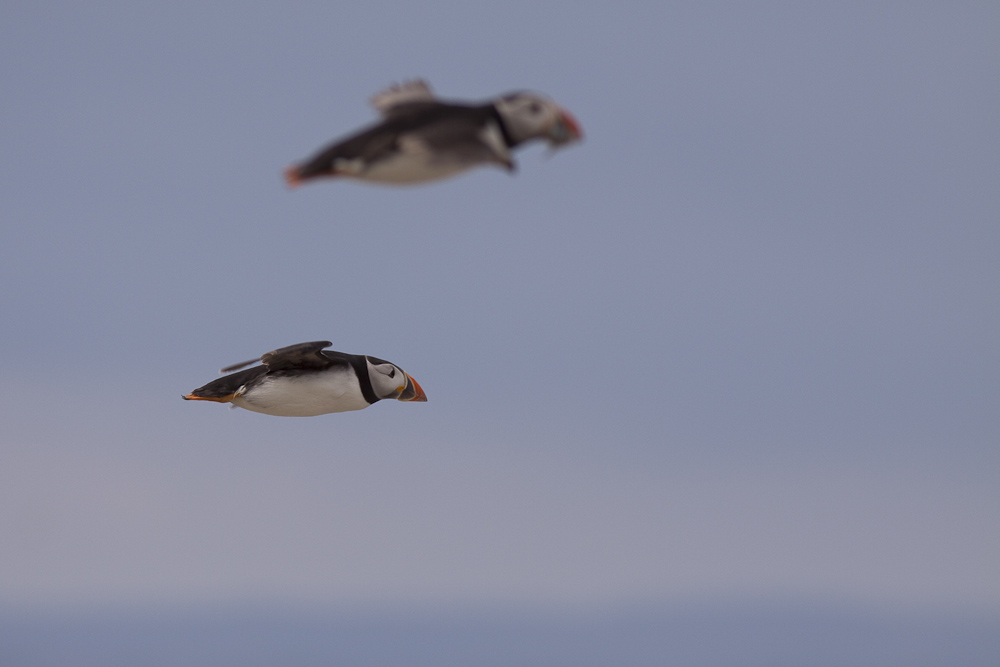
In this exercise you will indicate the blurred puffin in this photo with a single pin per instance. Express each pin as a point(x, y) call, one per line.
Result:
point(305, 380)
point(422, 138)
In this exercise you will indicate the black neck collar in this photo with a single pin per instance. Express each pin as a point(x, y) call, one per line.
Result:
point(360, 364)
point(507, 139)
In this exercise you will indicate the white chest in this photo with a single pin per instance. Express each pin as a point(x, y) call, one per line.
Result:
point(305, 395)
point(412, 169)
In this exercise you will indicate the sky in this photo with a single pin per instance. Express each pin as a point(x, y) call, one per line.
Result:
point(737, 347)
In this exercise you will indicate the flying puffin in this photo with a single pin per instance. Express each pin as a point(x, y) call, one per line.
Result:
point(305, 380)
point(422, 138)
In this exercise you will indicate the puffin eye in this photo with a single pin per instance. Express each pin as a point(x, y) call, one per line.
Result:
point(535, 107)
point(387, 369)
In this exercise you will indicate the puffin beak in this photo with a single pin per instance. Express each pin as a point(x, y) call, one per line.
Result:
point(413, 391)
point(565, 129)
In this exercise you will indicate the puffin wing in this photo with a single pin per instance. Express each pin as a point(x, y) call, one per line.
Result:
point(400, 96)
point(287, 357)
point(471, 135)
point(302, 356)
point(457, 132)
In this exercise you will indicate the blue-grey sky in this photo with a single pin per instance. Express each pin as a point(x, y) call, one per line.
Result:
point(740, 342)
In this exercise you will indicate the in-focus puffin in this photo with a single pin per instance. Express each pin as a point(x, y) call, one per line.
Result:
point(422, 138)
point(305, 380)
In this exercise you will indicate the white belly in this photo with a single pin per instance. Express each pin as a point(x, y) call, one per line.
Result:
point(414, 163)
point(305, 396)
point(406, 168)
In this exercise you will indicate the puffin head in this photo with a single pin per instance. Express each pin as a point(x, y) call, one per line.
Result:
point(391, 381)
point(531, 116)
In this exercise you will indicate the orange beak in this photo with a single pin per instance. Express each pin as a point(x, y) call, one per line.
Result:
point(573, 127)
point(564, 130)
point(413, 391)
